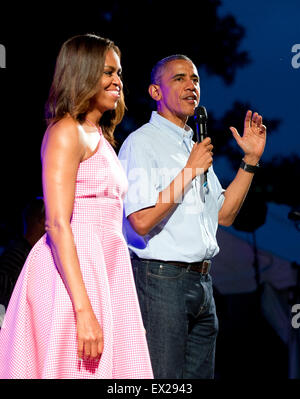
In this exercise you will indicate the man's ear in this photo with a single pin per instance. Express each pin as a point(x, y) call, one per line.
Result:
point(155, 92)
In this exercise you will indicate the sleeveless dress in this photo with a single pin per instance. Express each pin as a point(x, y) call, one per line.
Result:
point(38, 338)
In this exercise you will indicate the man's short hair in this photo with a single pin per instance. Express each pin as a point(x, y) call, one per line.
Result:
point(159, 67)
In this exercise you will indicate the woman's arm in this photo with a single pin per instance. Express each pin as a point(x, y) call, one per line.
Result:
point(62, 150)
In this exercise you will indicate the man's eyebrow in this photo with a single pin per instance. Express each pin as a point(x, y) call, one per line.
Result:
point(178, 75)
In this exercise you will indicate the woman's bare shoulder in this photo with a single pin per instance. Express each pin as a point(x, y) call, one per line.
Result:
point(63, 134)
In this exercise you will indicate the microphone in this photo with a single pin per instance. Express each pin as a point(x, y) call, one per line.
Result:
point(200, 118)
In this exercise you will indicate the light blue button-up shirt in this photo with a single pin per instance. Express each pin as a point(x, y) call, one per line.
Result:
point(152, 156)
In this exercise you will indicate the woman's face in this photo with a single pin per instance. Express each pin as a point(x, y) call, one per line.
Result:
point(110, 83)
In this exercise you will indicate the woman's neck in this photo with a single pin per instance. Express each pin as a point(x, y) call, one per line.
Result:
point(94, 118)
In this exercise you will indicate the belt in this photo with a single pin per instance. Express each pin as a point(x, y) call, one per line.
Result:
point(200, 267)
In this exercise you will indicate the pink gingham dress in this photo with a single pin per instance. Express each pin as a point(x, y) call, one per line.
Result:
point(38, 337)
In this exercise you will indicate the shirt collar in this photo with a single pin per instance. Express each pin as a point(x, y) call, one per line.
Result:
point(176, 132)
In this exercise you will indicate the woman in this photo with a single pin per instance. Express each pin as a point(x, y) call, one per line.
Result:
point(74, 312)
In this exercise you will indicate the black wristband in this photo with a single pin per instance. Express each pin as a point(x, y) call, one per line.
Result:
point(249, 168)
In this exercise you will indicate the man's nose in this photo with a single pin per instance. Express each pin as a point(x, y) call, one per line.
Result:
point(192, 85)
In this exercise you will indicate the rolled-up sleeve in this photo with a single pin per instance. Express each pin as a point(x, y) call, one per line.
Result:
point(221, 196)
point(217, 189)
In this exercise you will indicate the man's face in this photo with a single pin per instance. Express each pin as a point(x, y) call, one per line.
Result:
point(179, 91)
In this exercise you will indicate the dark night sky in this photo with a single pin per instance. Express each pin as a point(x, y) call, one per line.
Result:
point(272, 85)
point(33, 35)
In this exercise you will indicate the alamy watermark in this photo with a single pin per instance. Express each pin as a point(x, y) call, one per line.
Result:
point(296, 317)
point(296, 57)
point(146, 184)
point(2, 56)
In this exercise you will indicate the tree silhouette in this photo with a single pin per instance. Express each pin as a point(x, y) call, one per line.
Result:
point(274, 182)
point(145, 32)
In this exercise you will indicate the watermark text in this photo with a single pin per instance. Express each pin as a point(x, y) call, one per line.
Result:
point(296, 317)
point(2, 56)
point(296, 57)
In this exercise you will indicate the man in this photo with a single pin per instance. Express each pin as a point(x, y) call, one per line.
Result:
point(172, 219)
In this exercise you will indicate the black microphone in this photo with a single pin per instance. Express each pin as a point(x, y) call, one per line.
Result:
point(200, 118)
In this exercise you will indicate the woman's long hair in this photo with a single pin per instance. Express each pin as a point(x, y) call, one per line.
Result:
point(79, 67)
